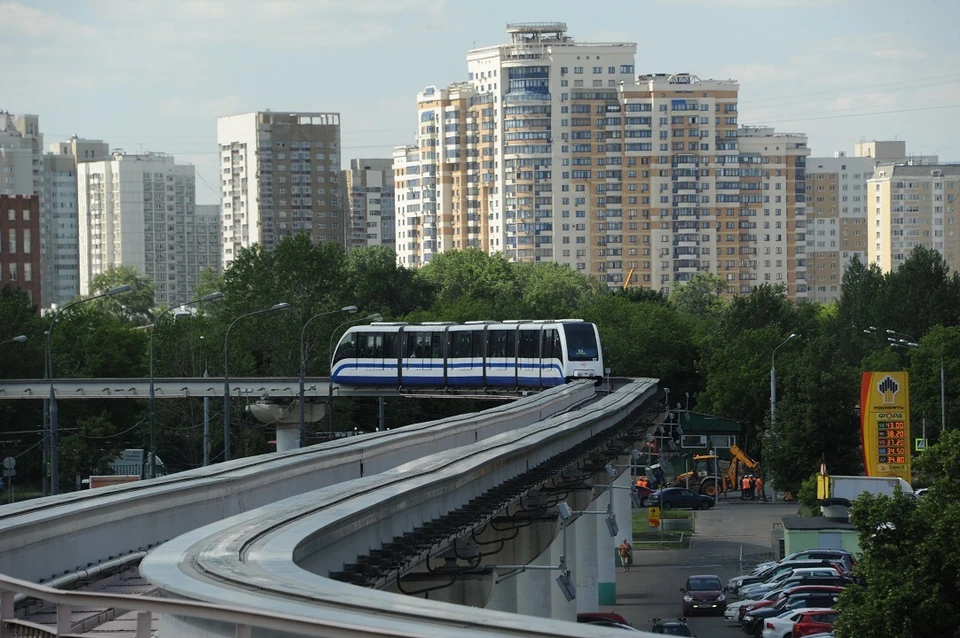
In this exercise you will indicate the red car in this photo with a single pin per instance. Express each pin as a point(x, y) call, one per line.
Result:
point(601, 618)
point(815, 622)
point(773, 599)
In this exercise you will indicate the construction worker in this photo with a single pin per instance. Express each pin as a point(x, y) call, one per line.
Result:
point(745, 487)
point(758, 484)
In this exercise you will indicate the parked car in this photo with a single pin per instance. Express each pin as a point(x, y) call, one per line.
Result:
point(753, 621)
point(833, 555)
point(670, 626)
point(774, 569)
point(782, 625)
point(826, 571)
point(703, 593)
point(814, 622)
point(597, 617)
point(742, 607)
point(678, 497)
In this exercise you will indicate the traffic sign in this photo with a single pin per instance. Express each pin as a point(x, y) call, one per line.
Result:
point(9, 472)
point(9, 463)
point(920, 445)
point(653, 516)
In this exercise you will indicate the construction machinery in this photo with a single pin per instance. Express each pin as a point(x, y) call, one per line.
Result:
point(626, 284)
point(712, 475)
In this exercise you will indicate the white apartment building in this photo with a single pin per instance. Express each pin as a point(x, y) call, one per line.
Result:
point(910, 206)
point(61, 252)
point(280, 175)
point(369, 202)
point(140, 210)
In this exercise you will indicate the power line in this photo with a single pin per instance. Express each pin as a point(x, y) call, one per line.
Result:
point(833, 117)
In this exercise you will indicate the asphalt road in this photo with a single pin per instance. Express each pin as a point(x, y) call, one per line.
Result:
point(651, 589)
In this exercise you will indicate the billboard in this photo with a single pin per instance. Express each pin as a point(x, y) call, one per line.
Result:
point(107, 481)
point(885, 423)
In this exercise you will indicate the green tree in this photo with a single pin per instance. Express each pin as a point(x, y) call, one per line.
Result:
point(89, 448)
point(699, 297)
point(135, 307)
point(921, 293)
point(908, 556)
point(376, 283)
point(552, 291)
point(471, 280)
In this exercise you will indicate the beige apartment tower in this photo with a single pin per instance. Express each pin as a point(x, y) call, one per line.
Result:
point(555, 150)
point(909, 206)
point(280, 175)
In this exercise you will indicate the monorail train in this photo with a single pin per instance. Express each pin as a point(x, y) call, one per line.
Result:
point(473, 354)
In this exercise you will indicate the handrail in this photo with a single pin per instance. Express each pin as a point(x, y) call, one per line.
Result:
point(206, 611)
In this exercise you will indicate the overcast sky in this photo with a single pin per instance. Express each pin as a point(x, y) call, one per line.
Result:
point(155, 74)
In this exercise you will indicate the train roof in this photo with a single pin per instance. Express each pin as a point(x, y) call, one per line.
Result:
point(508, 323)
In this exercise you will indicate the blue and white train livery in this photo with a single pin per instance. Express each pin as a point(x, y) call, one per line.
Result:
point(475, 354)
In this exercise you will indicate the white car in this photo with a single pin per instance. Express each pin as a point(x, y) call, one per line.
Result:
point(780, 626)
point(732, 612)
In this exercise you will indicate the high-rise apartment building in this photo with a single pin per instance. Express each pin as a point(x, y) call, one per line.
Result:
point(280, 175)
point(555, 150)
point(912, 205)
point(61, 247)
point(836, 220)
point(21, 155)
point(369, 204)
point(20, 243)
point(139, 210)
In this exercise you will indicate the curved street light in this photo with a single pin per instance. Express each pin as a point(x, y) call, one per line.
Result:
point(913, 345)
point(303, 364)
point(213, 296)
point(17, 339)
point(374, 317)
point(773, 379)
point(226, 375)
point(52, 407)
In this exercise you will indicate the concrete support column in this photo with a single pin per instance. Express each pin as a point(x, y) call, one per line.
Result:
point(586, 574)
point(563, 609)
point(504, 596)
point(533, 587)
point(288, 436)
point(608, 564)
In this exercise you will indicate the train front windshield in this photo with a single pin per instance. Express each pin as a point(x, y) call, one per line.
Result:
point(581, 341)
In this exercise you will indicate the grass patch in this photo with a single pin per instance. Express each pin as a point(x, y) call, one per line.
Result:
point(647, 538)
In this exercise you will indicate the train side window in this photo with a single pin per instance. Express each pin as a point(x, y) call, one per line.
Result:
point(411, 349)
point(498, 343)
point(436, 351)
point(388, 351)
point(461, 345)
point(346, 350)
point(528, 344)
point(511, 344)
point(377, 346)
point(477, 343)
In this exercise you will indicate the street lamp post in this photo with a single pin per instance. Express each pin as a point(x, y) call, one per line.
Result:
point(303, 365)
point(52, 406)
point(214, 296)
point(17, 339)
point(374, 317)
point(226, 374)
point(910, 344)
point(773, 379)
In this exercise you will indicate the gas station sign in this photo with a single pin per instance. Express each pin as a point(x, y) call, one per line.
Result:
point(885, 423)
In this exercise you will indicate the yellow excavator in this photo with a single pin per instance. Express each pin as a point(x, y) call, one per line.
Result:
point(711, 475)
point(626, 284)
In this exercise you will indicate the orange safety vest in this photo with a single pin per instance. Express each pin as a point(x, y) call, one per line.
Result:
point(745, 483)
point(759, 485)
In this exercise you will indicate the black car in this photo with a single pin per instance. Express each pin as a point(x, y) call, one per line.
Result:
point(678, 497)
point(734, 584)
point(752, 623)
point(670, 626)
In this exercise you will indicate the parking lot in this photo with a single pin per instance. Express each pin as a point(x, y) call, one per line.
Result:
point(651, 589)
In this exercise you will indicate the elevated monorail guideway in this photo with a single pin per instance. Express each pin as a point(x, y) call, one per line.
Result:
point(305, 556)
point(44, 538)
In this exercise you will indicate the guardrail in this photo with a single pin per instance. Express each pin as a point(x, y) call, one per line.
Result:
point(43, 538)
